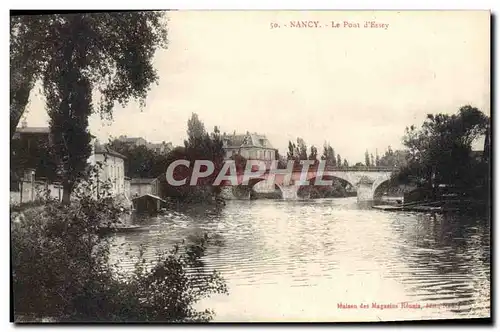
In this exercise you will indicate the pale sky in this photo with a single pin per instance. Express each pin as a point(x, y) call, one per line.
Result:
point(357, 88)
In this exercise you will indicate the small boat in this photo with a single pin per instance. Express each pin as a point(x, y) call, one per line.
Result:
point(415, 208)
point(388, 207)
point(122, 229)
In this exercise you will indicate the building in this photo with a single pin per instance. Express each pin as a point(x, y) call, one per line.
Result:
point(134, 141)
point(143, 186)
point(250, 146)
point(30, 134)
point(113, 167)
point(160, 148)
point(29, 148)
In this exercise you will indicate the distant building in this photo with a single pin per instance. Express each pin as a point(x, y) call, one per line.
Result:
point(29, 133)
point(30, 149)
point(31, 136)
point(160, 148)
point(113, 167)
point(134, 141)
point(251, 146)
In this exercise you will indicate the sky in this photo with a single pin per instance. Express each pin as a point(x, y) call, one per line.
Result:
point(357, 88)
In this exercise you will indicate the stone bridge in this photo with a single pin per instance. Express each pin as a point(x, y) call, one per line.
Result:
point(366, 181)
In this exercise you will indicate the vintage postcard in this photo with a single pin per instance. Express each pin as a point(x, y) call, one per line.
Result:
point(250, 166)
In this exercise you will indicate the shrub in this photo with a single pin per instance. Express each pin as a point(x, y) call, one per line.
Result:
point(61, 269)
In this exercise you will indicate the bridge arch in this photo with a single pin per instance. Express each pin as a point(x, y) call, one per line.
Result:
point(254, 181)
point(321, 191)
point(379, 187)
point(379, 184)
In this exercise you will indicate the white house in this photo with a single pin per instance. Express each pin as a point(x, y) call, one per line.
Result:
point(113, 168)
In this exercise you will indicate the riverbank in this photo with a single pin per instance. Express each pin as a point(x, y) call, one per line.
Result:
point(49, 238)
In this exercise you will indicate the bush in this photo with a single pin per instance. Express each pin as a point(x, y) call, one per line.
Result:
point(61, 269)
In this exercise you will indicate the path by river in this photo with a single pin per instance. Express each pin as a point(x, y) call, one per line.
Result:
point(323, 260)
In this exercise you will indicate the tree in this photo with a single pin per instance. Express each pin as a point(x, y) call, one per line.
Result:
point(302, 149)
point(291, 153)
point(346, 164)
point(440, 151)
point(141, 162)
point(329, 155)
point(196, 130)
point(339, 160)
point(367, 158)
point(314, 153)
point(28, 54)
point(372, 160)
point(392, 158)
point(79, 53)
point(200, 145)
point(282, 162)
point(377, 159)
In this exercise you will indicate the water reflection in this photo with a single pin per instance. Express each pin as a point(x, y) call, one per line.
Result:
point(296, 260)
point(448, 260)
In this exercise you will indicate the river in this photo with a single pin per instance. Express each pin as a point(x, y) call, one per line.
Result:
point(333, 260)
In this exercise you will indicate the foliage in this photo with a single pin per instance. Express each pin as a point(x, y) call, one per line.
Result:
point(239, 161)
point(398, 158)
point(367, 158)
point(297, 152)
point(200, 145)
point(329, 155)
point(77, 54)
point(292, 153)
point(196, 130)
point(61, 269)
point(282, 161)
point(313, 155)
point(301, 149)
point(440, 151)
point(336, 190)
point(28, 55)
point(141, 162)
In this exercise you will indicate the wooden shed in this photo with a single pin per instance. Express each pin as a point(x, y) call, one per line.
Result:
point(147, 203)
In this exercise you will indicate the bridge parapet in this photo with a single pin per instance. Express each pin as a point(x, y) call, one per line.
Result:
point(361, 169)
point(346, 169)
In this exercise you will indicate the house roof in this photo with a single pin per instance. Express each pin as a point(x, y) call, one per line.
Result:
point(100, 149)
point(130, 139)
point(247, 140)
point(142, 180)
point(33, 130)
point(149, 196)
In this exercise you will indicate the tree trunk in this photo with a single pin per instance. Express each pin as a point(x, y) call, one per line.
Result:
point(67, 188)
point(486, 148)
